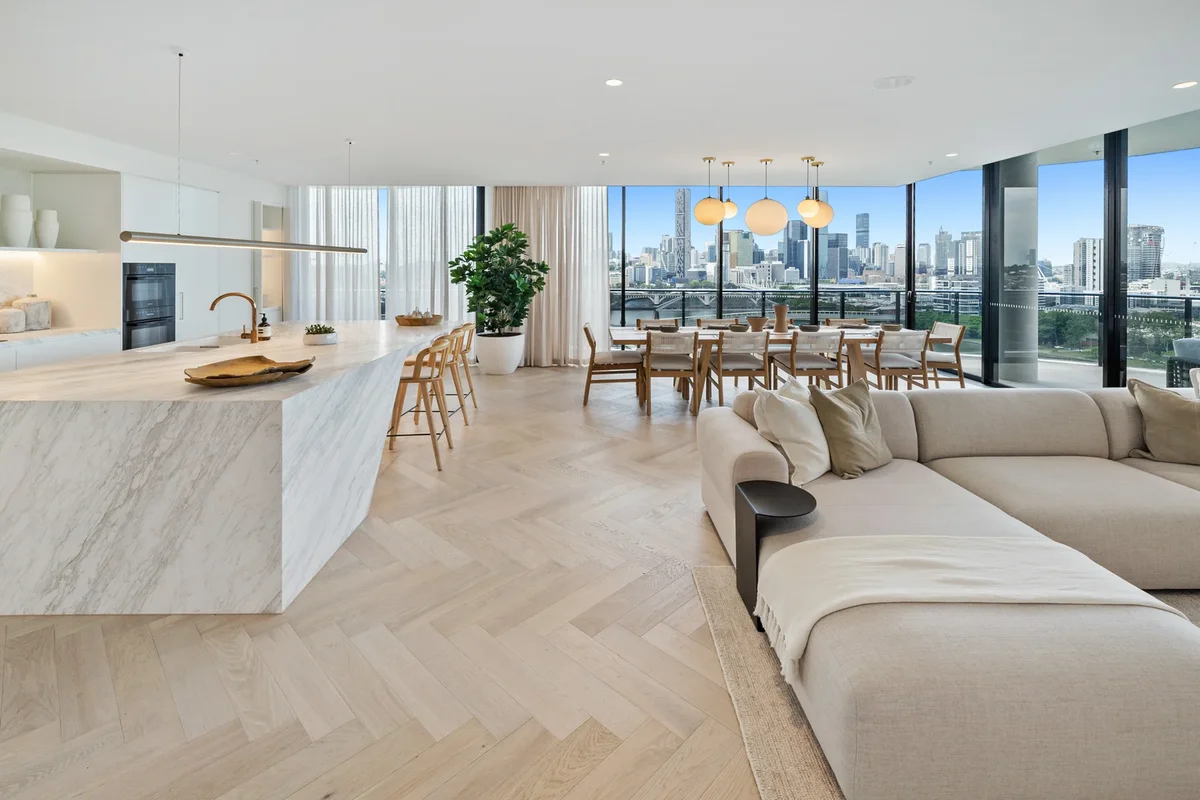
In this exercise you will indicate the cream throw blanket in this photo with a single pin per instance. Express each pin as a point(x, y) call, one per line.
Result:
point(807, 581)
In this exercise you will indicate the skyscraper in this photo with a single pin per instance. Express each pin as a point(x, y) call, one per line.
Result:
point(1086, 264)
point(792, 246)
point(923, 255)
point(1145, 244)
point(942, 252)
point(879, 256)
point(899, 258)
point(968, 256)
point(678, 265)
point(835, 260)
point(862, 230)
point(741, 248)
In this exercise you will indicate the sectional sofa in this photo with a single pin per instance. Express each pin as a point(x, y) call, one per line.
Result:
point(940, 701)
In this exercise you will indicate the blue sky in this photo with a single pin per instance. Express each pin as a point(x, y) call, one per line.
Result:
point(1164, 189)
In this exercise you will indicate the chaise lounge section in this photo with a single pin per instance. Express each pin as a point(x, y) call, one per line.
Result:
point(975, 700)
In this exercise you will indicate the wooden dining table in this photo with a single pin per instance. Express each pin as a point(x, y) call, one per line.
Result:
point(855, 339)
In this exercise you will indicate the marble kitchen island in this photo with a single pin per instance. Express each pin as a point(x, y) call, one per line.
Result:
point(125, 490)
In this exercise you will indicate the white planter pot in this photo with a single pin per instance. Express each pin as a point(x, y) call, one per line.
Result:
point(499, 355)
point(320, 338)
point(16, 220)
point(45, 229)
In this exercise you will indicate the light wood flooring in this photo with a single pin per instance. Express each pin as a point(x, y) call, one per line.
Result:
point(521, 625)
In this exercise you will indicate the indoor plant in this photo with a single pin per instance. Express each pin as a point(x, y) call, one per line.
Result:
point(501, 282)
point(320, 334)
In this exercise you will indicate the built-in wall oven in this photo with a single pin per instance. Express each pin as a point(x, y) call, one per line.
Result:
point(149, 305)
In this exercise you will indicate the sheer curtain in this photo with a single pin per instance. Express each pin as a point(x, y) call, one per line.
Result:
point(568, 229)
point(428, 227)
point(333, 286)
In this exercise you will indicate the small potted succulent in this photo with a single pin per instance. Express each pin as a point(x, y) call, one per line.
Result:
point(320, 334)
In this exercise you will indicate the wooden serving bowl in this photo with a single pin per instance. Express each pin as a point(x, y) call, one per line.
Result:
point(401, 319)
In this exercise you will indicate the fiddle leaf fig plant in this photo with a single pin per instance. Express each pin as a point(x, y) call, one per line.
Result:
point(500, 280)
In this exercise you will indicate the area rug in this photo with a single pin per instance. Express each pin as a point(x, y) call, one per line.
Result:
point(784, 755)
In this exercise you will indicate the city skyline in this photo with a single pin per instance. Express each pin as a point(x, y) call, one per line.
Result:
point(1162, 192)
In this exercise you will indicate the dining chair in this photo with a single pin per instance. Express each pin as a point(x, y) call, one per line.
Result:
point(811, 355)
point(899, 354)
point(671, 355)
point(655, 324)
point(737, 355)
point(426, 374)
point(717, 323)
point(625, 365)
point(939, 359)
point(843, 359)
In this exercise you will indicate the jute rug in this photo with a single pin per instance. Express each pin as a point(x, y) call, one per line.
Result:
point(784, 755)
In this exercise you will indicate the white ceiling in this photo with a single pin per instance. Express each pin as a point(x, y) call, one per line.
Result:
point(487, 92)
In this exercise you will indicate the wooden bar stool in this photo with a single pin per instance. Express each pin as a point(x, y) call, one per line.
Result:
point(453, 361)
point(426, 374)
point(468, 329)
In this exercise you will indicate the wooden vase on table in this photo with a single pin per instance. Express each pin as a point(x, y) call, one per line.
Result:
point(756, 323)
point(781, 318)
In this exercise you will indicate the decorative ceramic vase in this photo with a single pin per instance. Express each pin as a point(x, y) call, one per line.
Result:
point(781, 320)
point(16, 220)
point(45, 228)
point(756, 323)
point(320, 338)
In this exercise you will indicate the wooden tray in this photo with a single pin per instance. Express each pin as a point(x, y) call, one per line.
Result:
point(246, 371)
point(414, 321)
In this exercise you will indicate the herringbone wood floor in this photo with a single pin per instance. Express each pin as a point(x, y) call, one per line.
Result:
point(522, 625)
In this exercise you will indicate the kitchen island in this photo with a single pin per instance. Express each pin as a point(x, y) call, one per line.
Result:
point(125, 490)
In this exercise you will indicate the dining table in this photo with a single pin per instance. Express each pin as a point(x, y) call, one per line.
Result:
point(855, 338)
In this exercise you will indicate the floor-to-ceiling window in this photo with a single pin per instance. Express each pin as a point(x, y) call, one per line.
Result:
point(949, 260)
point(1163, 246)
point(862, 254)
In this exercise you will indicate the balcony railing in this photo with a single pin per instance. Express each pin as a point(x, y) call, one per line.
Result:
point(1069, 323)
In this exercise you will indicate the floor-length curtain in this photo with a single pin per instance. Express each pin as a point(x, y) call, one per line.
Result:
point(568, 229)
point(428, 227)
point(333, 286)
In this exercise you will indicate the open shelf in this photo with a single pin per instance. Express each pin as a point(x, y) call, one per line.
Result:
point(44, 250)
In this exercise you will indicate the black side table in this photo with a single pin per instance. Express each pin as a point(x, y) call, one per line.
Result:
point(756, 503)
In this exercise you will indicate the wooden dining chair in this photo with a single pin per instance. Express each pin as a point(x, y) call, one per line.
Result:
point(899, 354)
point(618, 366)
point(939, 359)
point(426, 374)
point(655, 324)
point(671, 355)
point(737, 355)
point(811, 355)
point(722, 323)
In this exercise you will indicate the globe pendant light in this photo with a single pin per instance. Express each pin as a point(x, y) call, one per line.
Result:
point(709, 211)
point(767, 217)
point(808, 207)
point(731, 208)
point(824, 214)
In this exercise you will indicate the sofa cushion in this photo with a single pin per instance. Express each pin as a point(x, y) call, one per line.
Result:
point(789, 420)
point(1184, 474)
point(1012, 422)
point(1170, 424)
point(851, 423)
point(1122, 420)
point(896, 421)
point(1136, 524)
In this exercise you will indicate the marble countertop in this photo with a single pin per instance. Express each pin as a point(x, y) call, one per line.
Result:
point(37, 337)
point(156, 373)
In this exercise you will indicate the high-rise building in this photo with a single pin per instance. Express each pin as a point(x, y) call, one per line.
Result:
point(968, 253)
point(741, 248)
point(678, 264)
point(1087, 264)
point(942, 252)
point(1145, 243)
point(835, 260)
point(862, 230)
point(793, 245)
point(756, 254)
point(923, 257)
point(879, 255)
point(899, 263)
point(711, 247)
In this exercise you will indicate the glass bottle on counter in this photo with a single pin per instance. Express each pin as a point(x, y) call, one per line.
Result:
point(264, 329)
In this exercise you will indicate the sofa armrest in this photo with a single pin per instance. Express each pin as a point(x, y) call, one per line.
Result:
point(731, 451)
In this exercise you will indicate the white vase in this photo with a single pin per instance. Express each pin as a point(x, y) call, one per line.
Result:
point(320, 338)
point(16, 220)
point(45, 228)
point(499, 354)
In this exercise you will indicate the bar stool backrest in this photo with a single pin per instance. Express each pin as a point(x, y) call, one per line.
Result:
point(433, 359)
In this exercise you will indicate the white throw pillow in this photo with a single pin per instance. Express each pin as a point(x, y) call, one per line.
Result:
point(1196, 381)
point(787, 418)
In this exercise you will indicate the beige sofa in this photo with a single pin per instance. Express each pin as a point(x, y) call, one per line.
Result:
point(942, 701)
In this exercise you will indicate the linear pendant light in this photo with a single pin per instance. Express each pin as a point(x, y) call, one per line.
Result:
point(180, 238)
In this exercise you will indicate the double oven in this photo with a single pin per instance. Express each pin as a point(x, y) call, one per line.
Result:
point(149, 305)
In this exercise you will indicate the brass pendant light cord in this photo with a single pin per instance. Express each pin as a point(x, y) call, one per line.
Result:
point(179, 143)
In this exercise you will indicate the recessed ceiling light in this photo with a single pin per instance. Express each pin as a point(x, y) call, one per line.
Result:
point(613, 82)
point(951, 155)
point(893, 82)
point(604, 155)
point(234, 154)
point(1184, 85)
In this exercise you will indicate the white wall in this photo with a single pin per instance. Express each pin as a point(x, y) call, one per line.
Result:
point(16, 269)
point(13, 181)
point(234, 195)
